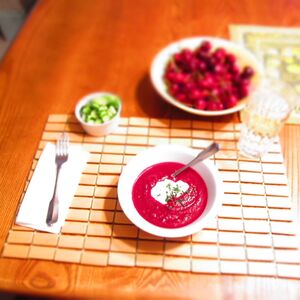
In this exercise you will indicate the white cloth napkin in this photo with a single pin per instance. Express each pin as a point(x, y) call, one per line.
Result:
point(34, 208)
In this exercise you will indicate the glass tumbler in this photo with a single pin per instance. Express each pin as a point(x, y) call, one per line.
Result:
point(262, 118)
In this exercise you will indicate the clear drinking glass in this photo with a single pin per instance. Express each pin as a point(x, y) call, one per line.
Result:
point(265, 113)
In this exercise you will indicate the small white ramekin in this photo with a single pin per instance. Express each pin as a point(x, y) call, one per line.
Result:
point(97, 129)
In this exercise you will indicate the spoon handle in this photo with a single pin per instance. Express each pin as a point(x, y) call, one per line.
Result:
point(210, 150)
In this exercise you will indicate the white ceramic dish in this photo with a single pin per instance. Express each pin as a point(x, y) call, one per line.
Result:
point(97, 129)
point(244, 57)
point(165, 153)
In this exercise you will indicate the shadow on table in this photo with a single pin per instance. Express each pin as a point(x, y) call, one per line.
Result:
point(149, 100)
point(8, 296)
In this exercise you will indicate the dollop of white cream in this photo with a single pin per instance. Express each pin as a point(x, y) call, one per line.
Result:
point(166, 189)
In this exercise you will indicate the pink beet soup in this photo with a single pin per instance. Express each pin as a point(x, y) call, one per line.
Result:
point(176, 211)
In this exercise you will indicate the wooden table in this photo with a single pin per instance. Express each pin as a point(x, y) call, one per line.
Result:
point(70, 48)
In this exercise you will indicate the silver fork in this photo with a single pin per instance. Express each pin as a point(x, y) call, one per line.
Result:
point(62, 152)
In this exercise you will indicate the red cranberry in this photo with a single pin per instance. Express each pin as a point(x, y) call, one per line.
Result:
point(205, 47)
point(230, 59)
point(189, 86)
point(202, 66)
point(170, 76)
point(174, 89)
point(211, 106)
point(247, 72)
point(187, 54)
point(182, 97)
point(219, 68)
point(243, 91)
point(219, 54)
point(195, 94)
point(231, 101)
point(171, 68)
point(220, 105)
point(207, 81)
point(180, 78)
point(200, 104)
point(193, 65)
point(178, 58)
point(234, 70)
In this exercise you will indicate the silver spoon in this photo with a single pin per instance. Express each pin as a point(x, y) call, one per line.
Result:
point(207, 152)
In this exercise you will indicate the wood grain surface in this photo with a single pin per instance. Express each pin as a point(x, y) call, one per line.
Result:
point(70, 48)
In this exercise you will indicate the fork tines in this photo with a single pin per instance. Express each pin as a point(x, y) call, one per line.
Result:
point(62, 145)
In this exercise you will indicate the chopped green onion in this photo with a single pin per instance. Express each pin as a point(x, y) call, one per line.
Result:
point(100, 110)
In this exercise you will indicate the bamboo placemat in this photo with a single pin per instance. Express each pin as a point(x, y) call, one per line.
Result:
point(254, 233)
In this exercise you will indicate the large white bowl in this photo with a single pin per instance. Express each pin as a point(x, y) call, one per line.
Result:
point(159, 63)
point(169, 153)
